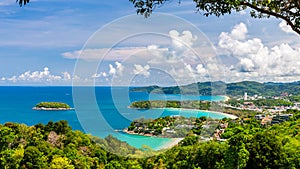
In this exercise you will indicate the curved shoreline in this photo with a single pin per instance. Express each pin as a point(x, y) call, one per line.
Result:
point(198, 110)
point(169, 144)
point(226, 98)
point(186, 109)
point(173, 142)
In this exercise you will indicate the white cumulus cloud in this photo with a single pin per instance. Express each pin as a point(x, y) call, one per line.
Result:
point(200, 69)
point(256, 60)
point(239, 31)
point(286, 28)
point(142, 70)
point(186, 38)
point(98, 75)
point(66, 76)
point(117, 69)
point(43, 76)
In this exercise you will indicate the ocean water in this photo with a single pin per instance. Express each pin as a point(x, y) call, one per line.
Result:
point(100, 114)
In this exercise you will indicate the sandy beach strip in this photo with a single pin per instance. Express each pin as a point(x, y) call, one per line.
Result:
point(173, 142)
point(226, 98)
point(197, 110)
point(227, 115)
point(217, 112)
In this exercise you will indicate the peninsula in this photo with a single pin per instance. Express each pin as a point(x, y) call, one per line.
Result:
point(192, 105)
point(175, 126)
point(52, 106)
point(188, 104)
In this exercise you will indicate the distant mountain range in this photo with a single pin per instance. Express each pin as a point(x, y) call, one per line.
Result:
point(231, 89)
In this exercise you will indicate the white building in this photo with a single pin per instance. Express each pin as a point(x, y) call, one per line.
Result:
point(245, 96)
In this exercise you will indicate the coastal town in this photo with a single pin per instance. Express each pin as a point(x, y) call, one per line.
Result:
point(248, 103)
point(269, 113)
point(264, 110)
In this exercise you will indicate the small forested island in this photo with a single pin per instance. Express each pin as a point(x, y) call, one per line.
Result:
point(52, 106)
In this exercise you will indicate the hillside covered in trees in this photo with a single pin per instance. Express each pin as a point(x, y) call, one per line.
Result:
point(55, 145)
point(231, 89)
point(249, 145)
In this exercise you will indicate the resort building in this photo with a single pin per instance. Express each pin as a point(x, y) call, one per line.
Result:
point(281, 118)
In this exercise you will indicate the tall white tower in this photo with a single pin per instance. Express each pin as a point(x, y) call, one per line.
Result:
point(245, 96)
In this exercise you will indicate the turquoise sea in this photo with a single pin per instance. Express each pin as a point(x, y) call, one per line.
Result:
point(111, 106)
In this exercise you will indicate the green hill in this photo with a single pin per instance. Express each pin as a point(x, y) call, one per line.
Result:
point(231, 89)
point(54, 145)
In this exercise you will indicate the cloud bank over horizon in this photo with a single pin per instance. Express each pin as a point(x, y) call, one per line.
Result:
point(251, 59)
point(184, 57)
point(45, 34)
point(39, 77)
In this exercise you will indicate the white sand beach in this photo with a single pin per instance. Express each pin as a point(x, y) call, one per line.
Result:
point(209, 111)
point(172, 143)
point(225, 114)
point(226, 98)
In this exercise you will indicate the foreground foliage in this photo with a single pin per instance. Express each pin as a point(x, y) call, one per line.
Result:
point(287, 10)
point(56, 146)
point(249, 145)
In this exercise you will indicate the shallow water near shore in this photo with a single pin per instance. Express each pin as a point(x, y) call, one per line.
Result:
point(16, 106)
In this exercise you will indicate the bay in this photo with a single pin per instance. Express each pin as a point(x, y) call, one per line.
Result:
point(16, 104)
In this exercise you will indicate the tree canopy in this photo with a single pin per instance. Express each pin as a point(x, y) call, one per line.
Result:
point(287, 10)
point(22, 2)
point(249, 145)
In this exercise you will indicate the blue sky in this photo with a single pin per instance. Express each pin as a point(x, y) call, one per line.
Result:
point(40, 44)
